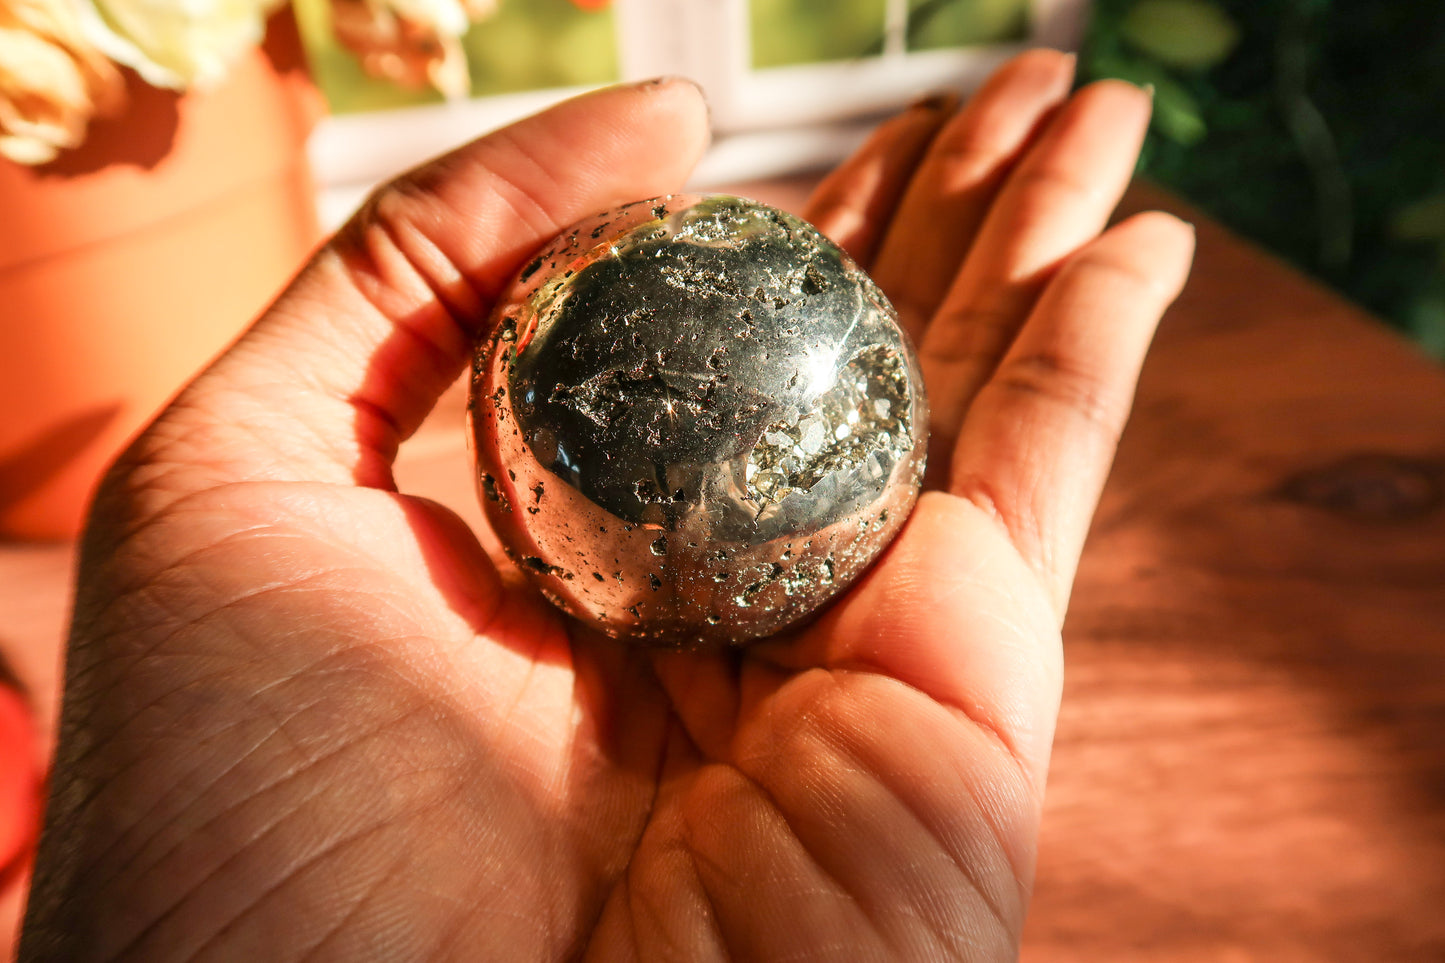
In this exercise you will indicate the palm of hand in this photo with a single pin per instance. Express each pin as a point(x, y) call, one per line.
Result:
point(504, 790)
point(310, 719)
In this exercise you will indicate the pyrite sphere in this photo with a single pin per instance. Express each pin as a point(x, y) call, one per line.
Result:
point(696, 421)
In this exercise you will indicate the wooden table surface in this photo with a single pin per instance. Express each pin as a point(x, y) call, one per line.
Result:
point(1250, 762)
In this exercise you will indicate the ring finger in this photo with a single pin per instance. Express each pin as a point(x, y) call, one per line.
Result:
point(1056, 200)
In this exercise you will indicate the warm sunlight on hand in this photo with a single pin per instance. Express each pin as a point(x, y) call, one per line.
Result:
point(307, 718)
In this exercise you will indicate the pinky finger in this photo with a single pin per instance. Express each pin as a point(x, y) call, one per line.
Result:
point(855, 203)
point(1039, 439)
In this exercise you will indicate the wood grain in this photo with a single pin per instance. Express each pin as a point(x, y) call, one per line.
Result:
point(1250, 762)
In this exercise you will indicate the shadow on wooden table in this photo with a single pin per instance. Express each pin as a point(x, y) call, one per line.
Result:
point(1251, 755)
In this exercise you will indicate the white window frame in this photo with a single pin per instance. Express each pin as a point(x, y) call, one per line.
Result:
point(710, 41)
point(767, 121)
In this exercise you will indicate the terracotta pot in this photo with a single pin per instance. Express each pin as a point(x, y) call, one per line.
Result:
point(126, 264)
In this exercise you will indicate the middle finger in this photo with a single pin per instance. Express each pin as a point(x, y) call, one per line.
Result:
point(1056, 200)
point(950, 194)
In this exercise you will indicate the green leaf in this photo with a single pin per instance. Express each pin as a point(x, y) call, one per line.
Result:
point(1177, 115)
point(1420, 220)
point(1181, 33)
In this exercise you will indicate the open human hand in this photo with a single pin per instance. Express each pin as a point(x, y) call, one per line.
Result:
point(306, 717)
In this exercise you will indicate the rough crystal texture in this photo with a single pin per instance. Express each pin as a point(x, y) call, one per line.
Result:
point(696, 421)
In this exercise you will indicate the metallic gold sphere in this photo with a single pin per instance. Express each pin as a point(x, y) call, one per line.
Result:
point(696, 420)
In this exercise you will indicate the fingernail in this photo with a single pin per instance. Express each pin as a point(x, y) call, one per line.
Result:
point(1148, 89)
point(666, 79)
point(1187, 225)
point(942, 100)
point(1069, 70)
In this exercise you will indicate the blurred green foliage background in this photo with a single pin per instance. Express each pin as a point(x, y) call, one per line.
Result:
point(1314, 127)
point(788, 32)
point(525, 45)
point(936, 24)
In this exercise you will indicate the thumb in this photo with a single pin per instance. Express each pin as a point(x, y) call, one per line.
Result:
point(354, 354)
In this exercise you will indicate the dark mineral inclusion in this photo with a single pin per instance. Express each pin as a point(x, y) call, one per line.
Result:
point(697, 421)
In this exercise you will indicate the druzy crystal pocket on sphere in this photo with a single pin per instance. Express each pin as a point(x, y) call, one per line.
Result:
point(695, 420)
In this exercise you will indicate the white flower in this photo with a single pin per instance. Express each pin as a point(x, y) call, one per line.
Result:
point(411, 42)
point(479, 10)
point(52, 82)
point(176, 43)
